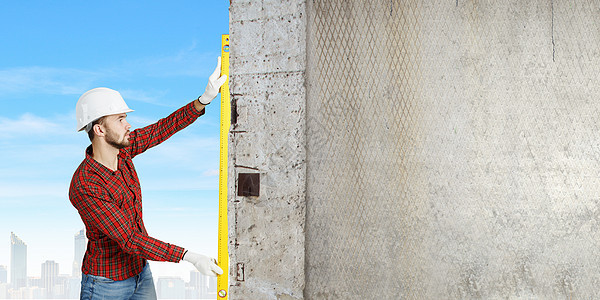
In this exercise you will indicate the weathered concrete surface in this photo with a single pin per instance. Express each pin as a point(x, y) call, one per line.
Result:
point(453, 149)
point(366, 189)
point(267, 63)
point(416, 149)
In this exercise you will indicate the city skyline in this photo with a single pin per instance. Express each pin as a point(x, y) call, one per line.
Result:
point(18, 262)
point(51, 283)
point(79, 246)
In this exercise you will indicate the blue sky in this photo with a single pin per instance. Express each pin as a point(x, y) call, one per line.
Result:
point(159, 55)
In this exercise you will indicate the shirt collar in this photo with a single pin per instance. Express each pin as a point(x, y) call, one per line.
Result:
point(98, 167)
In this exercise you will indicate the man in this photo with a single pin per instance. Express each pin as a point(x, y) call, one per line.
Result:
point(105, 190)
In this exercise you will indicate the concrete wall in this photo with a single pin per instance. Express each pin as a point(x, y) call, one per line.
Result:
point(267, 63)
point(366, 190)
point(416, 149)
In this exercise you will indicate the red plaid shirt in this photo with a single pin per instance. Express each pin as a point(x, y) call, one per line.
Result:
point(110, 205)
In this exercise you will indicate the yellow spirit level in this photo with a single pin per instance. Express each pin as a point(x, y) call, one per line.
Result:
point(223, 256)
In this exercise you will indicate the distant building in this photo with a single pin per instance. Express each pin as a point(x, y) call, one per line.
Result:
point(62, 287)
point(79, 251)
point(34, 282)
point(198, 285)
point(199, 282)
point(3, 290)
point(212, 285)
point(74, 288)
point(170, 288)
point(32, 292)
point(3, 274)
point(49, 276)
point(192, 293)
point(18, 262)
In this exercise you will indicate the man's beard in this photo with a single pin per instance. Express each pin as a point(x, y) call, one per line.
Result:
point(112, 139)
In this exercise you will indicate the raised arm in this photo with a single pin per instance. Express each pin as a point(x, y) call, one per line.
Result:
point(143, 138)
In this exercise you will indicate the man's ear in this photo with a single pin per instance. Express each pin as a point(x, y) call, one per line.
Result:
point(98, 130)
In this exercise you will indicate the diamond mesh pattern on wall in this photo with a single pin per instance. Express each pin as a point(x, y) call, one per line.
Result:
point(363, 126)
point(453, 149)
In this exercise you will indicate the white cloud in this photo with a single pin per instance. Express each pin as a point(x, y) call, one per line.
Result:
point(27, 124)
point(152, 96)
point(72, 81)
point(45, 80)
point(186, 62)
point(14, 191)
point(30, 129)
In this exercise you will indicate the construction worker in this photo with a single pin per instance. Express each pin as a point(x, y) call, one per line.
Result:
point(105, 190)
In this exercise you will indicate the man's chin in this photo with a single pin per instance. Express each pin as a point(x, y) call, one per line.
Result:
point(121, 145)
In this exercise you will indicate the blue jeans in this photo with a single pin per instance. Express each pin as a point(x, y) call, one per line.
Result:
point(138, 287)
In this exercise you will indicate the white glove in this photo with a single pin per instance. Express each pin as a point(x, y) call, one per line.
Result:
point(204, 264)
point(214, 83)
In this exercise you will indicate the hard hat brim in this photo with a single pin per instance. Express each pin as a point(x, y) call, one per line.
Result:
point(115, 113)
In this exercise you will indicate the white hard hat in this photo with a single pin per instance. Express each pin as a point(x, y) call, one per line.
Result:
point(97, 103)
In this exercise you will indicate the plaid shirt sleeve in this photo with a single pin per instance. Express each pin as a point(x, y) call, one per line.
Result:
point(95, 208)
point(146, 137)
